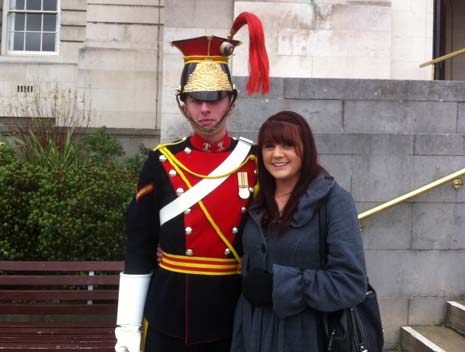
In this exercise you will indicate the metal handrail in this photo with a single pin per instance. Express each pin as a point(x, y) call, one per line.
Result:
point(457, 181)
point(443, 58)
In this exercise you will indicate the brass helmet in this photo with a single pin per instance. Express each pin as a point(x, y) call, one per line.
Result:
point(206, 74)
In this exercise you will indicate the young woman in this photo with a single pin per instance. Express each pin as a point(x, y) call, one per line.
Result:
point(284, 289)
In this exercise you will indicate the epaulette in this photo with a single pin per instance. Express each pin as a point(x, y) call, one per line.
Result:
point(169, 144)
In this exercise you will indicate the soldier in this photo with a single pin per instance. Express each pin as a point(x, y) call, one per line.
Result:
point(190, 199)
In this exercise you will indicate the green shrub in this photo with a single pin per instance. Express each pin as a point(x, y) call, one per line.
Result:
point(19, 182)
point(65, 203)
point(80, 213)
point(100, 147)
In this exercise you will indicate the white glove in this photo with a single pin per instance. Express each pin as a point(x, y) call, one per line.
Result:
point(128, 338)
point(131, 301)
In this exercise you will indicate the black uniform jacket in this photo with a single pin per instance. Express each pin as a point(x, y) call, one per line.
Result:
point(195, 307)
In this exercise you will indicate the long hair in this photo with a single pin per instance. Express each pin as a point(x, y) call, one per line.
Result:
point(285, 127)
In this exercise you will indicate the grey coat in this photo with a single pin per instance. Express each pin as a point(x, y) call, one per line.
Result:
point(300, 288)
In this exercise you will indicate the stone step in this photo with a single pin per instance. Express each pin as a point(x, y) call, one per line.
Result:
point(456, 316)
point(431, 339)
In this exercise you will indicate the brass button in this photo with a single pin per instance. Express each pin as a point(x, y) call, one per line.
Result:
point(162, 158)
point(227, 251)
point(187, 211)
point(172, 173)
point(189, 252)
point(187, 150)
point(179, 191)
point(243, 210)
point(188, 230)
point(235, 230)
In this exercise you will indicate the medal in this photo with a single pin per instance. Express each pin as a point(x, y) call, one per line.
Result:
point(242, 180)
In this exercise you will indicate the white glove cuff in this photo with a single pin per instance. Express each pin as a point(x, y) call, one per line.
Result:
point(131, 299)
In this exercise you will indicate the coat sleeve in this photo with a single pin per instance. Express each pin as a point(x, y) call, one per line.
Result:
point(142, 223)
point(343, 283)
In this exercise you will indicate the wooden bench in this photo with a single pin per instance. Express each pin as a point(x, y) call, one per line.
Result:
point(63, 306)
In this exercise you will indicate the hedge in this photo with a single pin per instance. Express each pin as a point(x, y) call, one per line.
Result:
point(74, 212)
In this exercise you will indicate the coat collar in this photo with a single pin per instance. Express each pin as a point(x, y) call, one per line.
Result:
point(310, 200)
point(219, 146)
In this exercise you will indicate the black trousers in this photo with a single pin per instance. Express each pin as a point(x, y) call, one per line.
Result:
point(157, 342)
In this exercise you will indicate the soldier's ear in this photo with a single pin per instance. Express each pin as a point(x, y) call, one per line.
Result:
point(231, 109)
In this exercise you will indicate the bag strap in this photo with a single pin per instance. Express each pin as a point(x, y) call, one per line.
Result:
point(323, 222)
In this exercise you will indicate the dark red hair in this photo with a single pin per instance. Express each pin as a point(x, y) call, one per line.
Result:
point(286, 127)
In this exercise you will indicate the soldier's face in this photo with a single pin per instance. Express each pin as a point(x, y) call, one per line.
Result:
point(207, 114)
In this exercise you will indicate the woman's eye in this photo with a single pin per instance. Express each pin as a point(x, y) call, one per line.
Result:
point(268, 146)
point(288, 146)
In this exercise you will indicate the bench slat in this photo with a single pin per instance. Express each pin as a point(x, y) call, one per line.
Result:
point(49, 280)
point(62, 284)
point(66, 295)
point(46, 349)
point(5, 332)
point(58, 309)
point(62, 266)
point(56, 337)
point(62, 346)
point(52, 324)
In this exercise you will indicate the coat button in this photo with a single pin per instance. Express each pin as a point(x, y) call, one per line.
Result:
point(187, 150)
point(227, 251)
point(251, 189)
point(188, 230)
point(162, 158)
point(235, 230)
point(255, 172)
point(172, 173)
point(243, 210)
point(189, 252)
point(187, 211)
point(179, 191)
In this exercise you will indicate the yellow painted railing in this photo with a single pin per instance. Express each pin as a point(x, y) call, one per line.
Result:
point(442, 58)
point(455, 178)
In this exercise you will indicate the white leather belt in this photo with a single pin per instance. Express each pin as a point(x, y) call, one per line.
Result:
point(207, 185)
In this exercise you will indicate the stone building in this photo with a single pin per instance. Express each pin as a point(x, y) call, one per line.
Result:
point(383, 127)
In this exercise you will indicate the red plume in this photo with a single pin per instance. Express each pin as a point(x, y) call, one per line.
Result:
point(259, 77)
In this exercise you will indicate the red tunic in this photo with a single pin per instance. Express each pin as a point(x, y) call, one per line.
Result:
point(188, 299)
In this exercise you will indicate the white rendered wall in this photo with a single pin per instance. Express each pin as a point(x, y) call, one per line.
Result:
point(343, 38)
point(412, 38)
point(322, 38)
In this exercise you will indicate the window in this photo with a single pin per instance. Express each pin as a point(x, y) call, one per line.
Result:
point(32, 26)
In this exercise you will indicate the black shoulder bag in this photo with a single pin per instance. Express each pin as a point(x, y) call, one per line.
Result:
point(354, 329)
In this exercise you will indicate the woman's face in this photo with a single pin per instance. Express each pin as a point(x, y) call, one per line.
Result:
point(282, 161)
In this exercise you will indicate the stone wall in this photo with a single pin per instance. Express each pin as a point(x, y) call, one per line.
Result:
point(381, 139)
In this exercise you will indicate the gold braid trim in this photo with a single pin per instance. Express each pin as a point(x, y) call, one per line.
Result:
point(205, 211)
point(173, 160)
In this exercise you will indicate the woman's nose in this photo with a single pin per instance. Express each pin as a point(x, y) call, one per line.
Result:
point(277, 152)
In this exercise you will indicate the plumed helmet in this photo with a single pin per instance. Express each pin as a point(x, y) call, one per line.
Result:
point(206, 74)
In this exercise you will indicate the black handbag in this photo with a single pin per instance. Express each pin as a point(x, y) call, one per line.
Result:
point(354, 329)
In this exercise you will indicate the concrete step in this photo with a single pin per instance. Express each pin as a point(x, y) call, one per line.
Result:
point(431, 339)
point(456, 316)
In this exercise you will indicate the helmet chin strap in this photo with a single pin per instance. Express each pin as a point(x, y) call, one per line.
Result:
point(207, 130)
